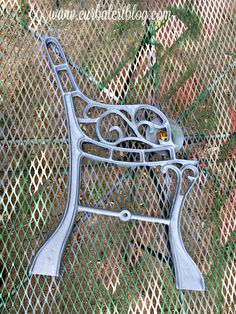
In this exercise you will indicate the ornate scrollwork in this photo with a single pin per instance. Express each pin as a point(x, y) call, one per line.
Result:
point(115, 125)
point(180, 189)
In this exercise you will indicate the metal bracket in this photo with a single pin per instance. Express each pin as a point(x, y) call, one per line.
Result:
point(142, 131)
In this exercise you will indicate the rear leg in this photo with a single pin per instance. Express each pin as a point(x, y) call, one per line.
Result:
point(48, 259)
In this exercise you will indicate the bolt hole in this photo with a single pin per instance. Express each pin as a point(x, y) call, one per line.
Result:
point(125, 215)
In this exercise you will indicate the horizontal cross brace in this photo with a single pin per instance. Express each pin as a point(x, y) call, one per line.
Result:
point(123, 215)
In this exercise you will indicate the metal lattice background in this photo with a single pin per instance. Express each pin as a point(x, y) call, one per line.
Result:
point(185, 67)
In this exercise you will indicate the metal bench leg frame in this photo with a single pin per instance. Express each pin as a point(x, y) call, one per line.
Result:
point(48, 259)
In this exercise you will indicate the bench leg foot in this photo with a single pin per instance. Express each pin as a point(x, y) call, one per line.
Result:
point(48, 259)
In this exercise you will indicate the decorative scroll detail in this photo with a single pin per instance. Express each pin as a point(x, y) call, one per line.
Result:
point(119, 124)
point(179, 173)
point(121, 136)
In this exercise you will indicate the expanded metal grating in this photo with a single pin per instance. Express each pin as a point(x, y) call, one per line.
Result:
point(183, 64)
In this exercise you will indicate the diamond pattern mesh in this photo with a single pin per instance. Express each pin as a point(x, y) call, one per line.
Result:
point(187, 68)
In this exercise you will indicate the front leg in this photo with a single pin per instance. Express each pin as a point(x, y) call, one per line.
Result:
point(187, 274)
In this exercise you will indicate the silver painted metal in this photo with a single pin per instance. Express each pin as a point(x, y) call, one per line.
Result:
point(133, 132)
